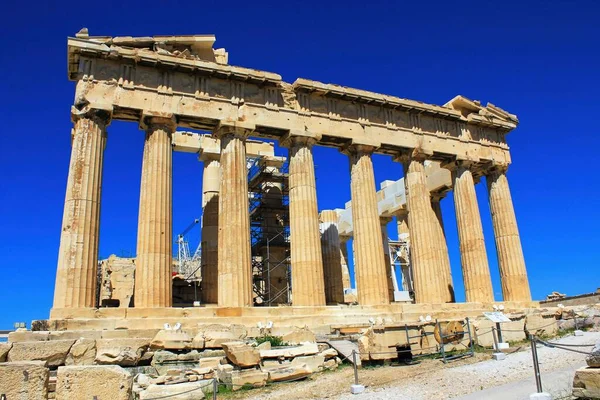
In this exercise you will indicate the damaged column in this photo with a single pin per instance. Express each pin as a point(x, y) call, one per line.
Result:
point(476, 271)
point(513, 274)
point(308, 287)
point(76, 273)
point(211, 180)
point(332, 257)
point(369, 264)
point(234, 268)
point(154, 263)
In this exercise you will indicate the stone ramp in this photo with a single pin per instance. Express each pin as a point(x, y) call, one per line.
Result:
point(344, 349)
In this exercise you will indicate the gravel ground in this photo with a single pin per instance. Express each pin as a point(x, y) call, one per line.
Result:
point(509, 379)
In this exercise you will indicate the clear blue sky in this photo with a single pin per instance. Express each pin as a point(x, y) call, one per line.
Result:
point(537, 59)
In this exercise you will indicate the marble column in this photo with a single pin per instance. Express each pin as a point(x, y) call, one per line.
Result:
point(234, 264)
point(369, 264)
point(332, 257)
point(513, 274)
point(346, 283)
point(445, 271)
point(308, 287)
point(424, 253)
point(404, 235)
point(211, 180)
point(476, 271)
point(77, 268)
point(386, 256)
point(154, 260)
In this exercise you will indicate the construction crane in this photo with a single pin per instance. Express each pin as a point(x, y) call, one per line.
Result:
point(188, 264)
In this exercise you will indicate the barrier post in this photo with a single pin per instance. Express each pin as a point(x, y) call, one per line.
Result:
point(536, 365)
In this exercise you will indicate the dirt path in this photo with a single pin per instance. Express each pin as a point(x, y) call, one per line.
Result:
point(477, 376)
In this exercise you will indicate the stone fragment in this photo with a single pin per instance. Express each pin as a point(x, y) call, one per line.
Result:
point(171, 340)
point(4, 349)
point(124, 352)
point(189, 356)
point(314, 363)
point(329, 353)
point(298, 336)
point(143, 380)
point(83, 352)
point(330, 364)
point(52, 352)
point(264, 346)
point(224, 372)
point(198, 342)
point(248, 378)
point(24, 380)
point(109, 382)
point(593, 360)
point(241, 354)
point(288, 372)
point(586, 383)
point(215, 339)
point(181, 391)
point(162, 356)
point(290, 352)
point(28, 336)
point(210, 362)
point(202, 371)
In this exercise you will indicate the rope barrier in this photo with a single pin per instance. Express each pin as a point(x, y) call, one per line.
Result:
point(560, 347)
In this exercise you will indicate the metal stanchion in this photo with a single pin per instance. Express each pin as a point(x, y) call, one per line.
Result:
point(215, 388)
point(356, 388)
point(536, 365)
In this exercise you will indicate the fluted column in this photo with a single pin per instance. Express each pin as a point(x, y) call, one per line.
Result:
point(513, 274)
point(308, 287)
point(476, 271)
point(78, 252)
point(211, 180)
point(346, 283)
point(154, 262)
point(444, 259)
point(404, 235)
point(332, 260)
point(234, 265)
point(386, 256)
point(369, 264)
point(424, 254)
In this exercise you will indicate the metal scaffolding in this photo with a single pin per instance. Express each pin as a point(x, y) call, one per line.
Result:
point(269, 231)
point(400, 258)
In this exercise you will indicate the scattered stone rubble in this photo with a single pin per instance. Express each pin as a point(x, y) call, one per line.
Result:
point(183, 363)
point(586, 383)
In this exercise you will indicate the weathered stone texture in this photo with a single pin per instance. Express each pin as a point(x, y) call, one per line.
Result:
point(118, 277)
point(369, 266)
point(83, 352)
point(125, 352)
point(87, 382)
point(586, 383)
point(211, 179)
point(180, 391)
point(513, 275)
point(308, 287)
point(154, 263)
point(78, 253)
point(241, 354)
point(4, 349)
point(53, 352)
point(476, 271)
point(24, 380)
point(235, 273)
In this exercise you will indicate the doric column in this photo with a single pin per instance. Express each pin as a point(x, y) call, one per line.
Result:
point(78, 253)
point(234, 265)
point(346, 283)
point(476, 271)
point(513, 274)
point(332, 257)
point(154, 262)
point(308, 287)
point(369, 264)
point(444, 259)
point(404, 235)
point(211, 180)
point(386, 256)
point(424, 255)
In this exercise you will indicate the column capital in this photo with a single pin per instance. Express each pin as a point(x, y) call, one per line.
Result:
point(153, 120)
point(497, 169)
point(438, 196)
point(299, 137)
point(100, 113)
point(385, 220)
point(239, 129)
point(360, 148)
point(409, 155)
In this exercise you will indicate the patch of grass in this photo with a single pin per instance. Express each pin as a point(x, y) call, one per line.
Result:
point(274, 340)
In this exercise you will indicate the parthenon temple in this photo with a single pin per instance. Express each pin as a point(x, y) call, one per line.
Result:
point(173, 85)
